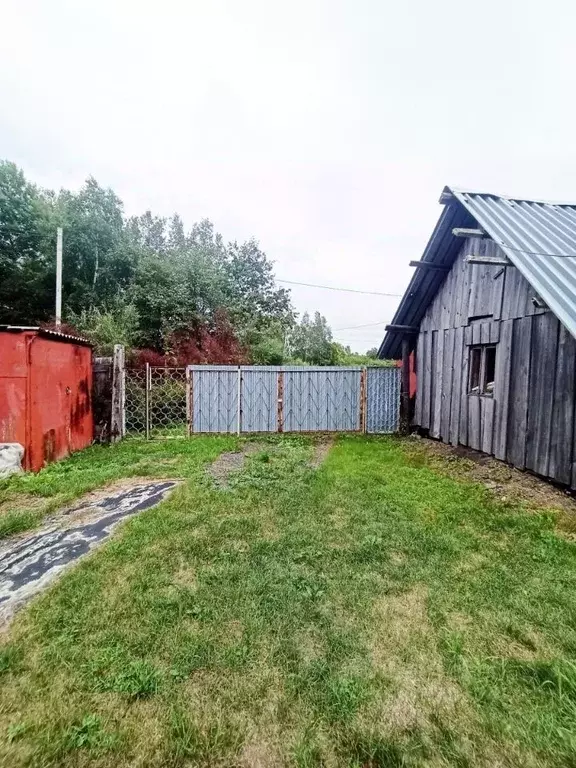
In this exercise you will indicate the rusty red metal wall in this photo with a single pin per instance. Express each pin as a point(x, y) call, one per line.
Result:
point(45, 395)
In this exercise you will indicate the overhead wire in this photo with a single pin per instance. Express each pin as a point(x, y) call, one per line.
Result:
point(333, 288)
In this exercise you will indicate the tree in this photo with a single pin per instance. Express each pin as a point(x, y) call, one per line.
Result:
point(145, 280)
point(27, 250)
point(312, 340)
point(97, 264)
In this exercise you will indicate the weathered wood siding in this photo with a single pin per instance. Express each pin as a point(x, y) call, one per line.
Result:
point(529, 420)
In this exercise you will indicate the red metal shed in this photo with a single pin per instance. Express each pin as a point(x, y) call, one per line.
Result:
point(45, 393)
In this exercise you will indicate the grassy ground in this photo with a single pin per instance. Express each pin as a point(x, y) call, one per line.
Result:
point(370, 612)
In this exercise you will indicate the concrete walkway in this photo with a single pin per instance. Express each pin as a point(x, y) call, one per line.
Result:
point(28, 564)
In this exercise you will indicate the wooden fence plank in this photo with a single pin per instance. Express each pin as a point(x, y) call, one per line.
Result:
point(562, 435)
point(437, 363)
point(541, 392)
point(502, 390)
point(457, 364)
point(518, 397)
point(447, 374)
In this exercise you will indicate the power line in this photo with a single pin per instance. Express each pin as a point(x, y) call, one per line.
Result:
point(332, 288)
point(365, 325)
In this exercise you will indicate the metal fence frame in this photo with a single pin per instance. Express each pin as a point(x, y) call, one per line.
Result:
point(176, 401)
point(245, 399)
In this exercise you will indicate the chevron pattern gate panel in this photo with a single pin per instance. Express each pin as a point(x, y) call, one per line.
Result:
point(383, 399)
point(214, 398)
point(322, 399)
point(259, 412)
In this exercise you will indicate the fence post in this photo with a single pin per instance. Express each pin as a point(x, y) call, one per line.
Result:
point(118, 420)
point(147, 388)
point(189, 410)
point(280, 403)
point(363, 399)
point(239, 417)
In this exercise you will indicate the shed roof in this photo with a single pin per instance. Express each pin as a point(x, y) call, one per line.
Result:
point(47, 333)
point(538, 237)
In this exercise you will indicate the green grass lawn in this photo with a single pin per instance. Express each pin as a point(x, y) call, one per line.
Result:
point(369, 612)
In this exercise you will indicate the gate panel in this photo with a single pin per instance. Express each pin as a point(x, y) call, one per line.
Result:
point(214, 392)
point(383, 399)
point(322, 399)
point(259, 399)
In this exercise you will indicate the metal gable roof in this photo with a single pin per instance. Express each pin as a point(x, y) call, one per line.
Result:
point(538, 237)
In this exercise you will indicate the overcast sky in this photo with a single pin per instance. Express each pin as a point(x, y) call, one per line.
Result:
point(324, 129)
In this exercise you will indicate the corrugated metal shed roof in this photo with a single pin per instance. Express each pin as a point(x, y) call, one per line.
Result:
point(49, 333)
point(538, 237)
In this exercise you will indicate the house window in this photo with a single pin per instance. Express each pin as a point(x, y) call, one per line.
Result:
point(482, 370)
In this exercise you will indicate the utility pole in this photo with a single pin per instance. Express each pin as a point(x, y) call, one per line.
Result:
point(59, 276)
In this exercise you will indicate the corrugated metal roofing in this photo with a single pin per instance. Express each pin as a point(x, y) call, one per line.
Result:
point(538, 237)
point(48, 333)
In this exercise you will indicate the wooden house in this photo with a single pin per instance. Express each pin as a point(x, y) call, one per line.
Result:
point(490, 315)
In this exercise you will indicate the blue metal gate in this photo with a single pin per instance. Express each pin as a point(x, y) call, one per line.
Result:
point(293, 399)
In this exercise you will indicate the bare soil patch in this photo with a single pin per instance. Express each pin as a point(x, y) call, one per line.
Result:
point(321, 451)
point(231, 462)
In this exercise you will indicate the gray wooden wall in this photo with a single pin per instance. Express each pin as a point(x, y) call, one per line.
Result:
point(529, 420)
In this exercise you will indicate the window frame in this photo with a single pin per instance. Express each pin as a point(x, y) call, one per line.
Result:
point(482, 389)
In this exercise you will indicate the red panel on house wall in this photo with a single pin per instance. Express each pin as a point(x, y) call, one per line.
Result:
point(45, 394)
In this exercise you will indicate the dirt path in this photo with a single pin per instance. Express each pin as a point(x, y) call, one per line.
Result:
point(228, 463)
point(29, 563)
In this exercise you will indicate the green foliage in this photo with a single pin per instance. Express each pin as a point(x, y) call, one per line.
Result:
point(311, 340)
point(106, 327)
point(137, 281)
point(344, 356)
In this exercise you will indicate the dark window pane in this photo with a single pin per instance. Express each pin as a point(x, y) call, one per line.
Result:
point(489, 369)
point(475, 365)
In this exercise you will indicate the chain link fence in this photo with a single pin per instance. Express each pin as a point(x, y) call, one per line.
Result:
point(155, 401)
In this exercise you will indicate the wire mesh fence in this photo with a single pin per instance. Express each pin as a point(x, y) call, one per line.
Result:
point(155, 401)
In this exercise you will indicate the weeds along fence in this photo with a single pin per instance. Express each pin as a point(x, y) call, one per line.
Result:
point(172, 402)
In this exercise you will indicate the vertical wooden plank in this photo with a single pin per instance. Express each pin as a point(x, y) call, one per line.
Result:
point(477, 333)
point(405, 387)
point(518, 397)
point(463, 428)
point(485, 333)
point(541, 391)
point(499, 279)
point(419, 379)
point(280, 402)
point(486, 423)
point(363, 400)
point(560, 467)
point(447, 383)
point(118, 425)
point(474, 422)
point(437, 363)
point(427, 378)
point(189, 408)
point(502, 389)
point(457, 365)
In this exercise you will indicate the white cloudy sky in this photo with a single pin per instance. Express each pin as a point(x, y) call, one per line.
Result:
point(326, 129)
